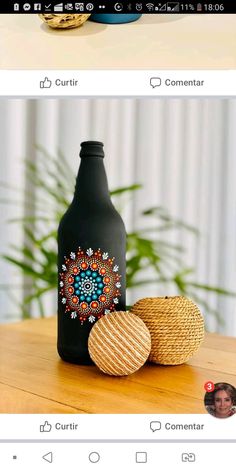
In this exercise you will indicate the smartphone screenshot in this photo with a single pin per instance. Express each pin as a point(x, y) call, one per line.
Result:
point(117, 236)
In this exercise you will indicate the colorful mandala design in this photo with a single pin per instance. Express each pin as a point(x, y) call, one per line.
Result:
point(89, 285)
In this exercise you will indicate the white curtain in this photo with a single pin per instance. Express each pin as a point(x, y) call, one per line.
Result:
point(182, 151)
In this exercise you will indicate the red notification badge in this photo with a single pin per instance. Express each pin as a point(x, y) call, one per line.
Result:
point(209, 386)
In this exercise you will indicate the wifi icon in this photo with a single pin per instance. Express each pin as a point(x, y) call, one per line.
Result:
point(150, 6)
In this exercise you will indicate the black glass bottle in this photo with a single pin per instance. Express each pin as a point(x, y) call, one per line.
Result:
point(91, 257)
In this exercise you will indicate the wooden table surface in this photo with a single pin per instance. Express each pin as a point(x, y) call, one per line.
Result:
point(33, 379)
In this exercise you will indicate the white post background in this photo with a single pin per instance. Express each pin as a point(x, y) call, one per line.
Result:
point(183, 152)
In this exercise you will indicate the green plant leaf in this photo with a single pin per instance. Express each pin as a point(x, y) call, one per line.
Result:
point(122, 190)
point(209, 288)
point(163, 215)
point(24, 267)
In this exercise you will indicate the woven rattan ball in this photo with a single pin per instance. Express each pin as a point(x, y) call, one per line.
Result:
point(64, 21)
point(119, 343)
point(176, 326)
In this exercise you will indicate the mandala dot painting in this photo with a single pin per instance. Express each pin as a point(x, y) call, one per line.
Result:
point(89, 285)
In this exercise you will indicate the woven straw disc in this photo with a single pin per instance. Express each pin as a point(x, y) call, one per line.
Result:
point(176, 326)
point(119, 343)
point(64, 21)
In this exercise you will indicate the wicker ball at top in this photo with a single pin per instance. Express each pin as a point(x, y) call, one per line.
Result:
point(119, 343)
point(176, 326)
point(63, 21)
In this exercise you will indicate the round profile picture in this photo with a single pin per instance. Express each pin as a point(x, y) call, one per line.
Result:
point(221, 402)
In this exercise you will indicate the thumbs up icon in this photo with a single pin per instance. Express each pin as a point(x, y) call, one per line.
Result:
point(46, 427)
point(46, 83)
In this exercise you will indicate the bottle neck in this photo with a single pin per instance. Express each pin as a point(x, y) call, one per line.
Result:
point(91, 183)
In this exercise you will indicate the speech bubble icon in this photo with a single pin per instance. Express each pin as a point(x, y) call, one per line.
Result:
point(155, 426)
point(155, 82)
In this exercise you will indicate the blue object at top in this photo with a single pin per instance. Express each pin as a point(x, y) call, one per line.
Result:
point(114, 18)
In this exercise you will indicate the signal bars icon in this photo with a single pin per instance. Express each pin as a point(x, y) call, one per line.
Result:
point(173, 6)
point(152, 7)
